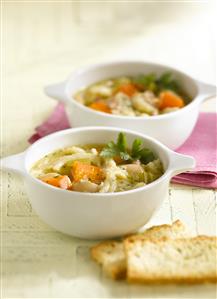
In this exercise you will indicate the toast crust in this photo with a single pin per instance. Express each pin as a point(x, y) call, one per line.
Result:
point(152, 232)
point(175, 279)
point(116, 271)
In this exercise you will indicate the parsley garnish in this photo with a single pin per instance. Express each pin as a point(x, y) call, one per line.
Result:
point(151, 82)
point(146, 82)
point(113, 149)
point(166, 81)
point(120, 149)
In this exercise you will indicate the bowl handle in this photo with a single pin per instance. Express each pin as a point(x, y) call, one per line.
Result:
point(180, 163)
point(14, 163)
point(57, 91)
point(206, 91)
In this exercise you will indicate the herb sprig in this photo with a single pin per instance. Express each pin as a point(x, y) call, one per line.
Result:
point(120, 149)
point(151, 82)
point(166, 81)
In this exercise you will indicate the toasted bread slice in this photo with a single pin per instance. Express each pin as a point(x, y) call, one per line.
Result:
point(187, 260)
point(111, 254)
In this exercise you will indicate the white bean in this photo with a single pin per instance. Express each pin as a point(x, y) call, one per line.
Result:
point(85, 186)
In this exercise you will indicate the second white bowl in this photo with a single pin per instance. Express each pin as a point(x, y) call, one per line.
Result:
point(172, 129)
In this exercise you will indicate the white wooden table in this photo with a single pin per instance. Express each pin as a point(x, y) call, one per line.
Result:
point(42, 43)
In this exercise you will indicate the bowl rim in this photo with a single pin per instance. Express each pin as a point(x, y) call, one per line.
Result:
point(71, 100)
point(161, 146)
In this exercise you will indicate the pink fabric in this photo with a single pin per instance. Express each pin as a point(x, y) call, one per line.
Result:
point(56, 121)
point(202, 145)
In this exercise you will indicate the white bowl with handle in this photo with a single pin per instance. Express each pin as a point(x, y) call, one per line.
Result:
point(95, 215)
point(172, 129)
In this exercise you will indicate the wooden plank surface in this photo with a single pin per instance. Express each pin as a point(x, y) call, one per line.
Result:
point(42, 43)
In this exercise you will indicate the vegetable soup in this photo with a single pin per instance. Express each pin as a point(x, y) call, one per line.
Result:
point(142, 95)
point(103, 168)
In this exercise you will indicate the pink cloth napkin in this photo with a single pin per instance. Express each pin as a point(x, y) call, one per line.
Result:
point(202, 145)
point(57, 121)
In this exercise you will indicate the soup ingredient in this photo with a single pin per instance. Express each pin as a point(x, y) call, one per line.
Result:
point(100, 106)
point(103, 90)
point(69, 159)
point(129, 89)
point(143, 95)
point(135, 171)
point(85, 171)
point(170, 99)
point(85, 186)
point(142, 102)
point(143, 154)
point(157, 84)
point(146, 82)
point(121, 104)
point(120, 149)
point(113, 149)
point(167, 82)
point(111, 254)
point(60, 181)
point(169, 109)
point(115, 175)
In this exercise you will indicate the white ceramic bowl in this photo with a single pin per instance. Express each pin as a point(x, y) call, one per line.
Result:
point(98, 215)
point(172, 129)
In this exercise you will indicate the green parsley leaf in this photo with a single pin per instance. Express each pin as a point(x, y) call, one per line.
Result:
point(137, 152)
point(109, 152)
point(116, 149)
point(122, 142)
point(146, 81)
point(166, 81)
point(151, 82)
point(146, 156)
point(136, 147)
point(111, 144)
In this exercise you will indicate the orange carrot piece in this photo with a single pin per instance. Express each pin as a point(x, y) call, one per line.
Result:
point(170, 99)
point(82, 170)
point(61, 181)
point(100, 106)
point(129, 89)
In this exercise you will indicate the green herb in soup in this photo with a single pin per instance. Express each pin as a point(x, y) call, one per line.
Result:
point(119, 149)
point(103, 168)
point(142, 95)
